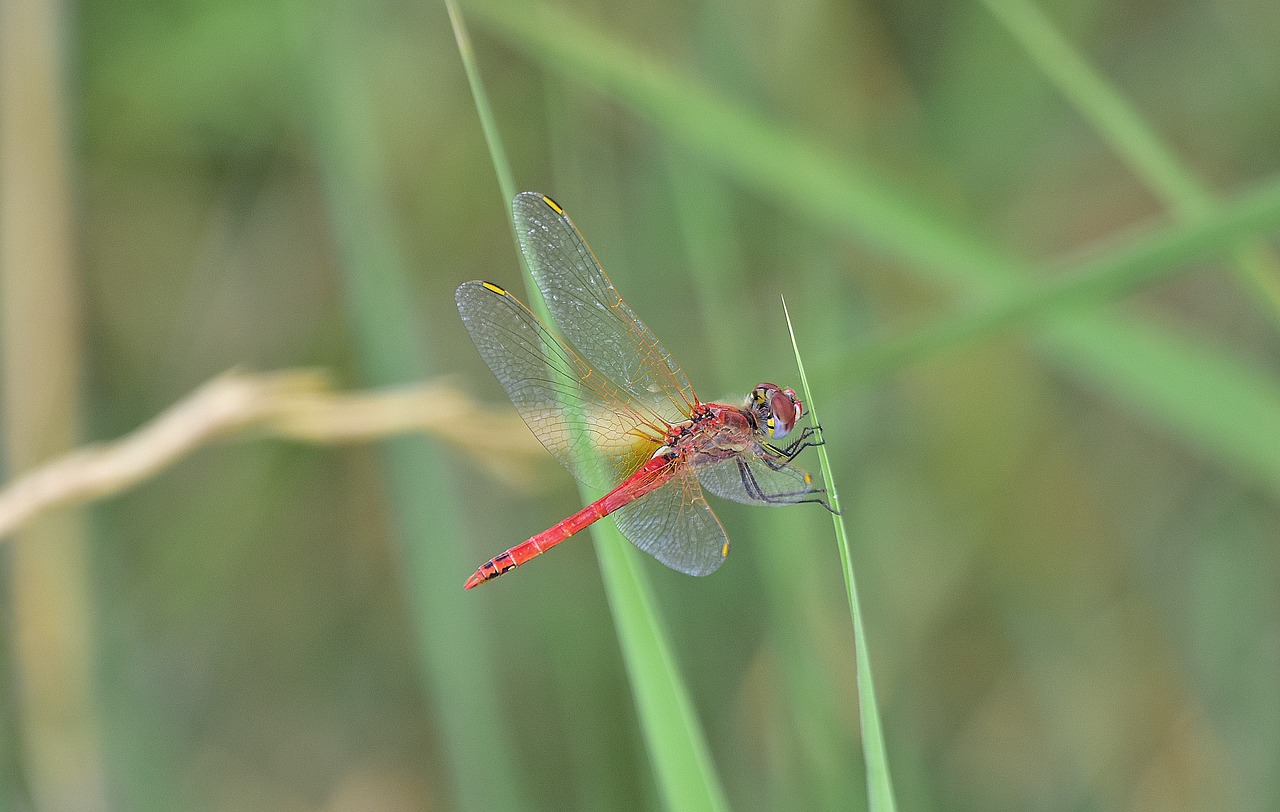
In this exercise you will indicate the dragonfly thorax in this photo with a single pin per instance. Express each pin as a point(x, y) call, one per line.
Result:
point(713, 431)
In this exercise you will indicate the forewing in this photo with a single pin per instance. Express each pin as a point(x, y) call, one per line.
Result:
point(589, 312)
point(675, 525)
point(586, 423)
point(757, 479)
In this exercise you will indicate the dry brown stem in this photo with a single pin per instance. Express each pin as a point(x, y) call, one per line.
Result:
point(293, 404)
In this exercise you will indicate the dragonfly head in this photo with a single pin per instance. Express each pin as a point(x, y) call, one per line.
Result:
point(776, 410)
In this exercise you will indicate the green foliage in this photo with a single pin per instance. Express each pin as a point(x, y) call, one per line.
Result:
point(1028, 250)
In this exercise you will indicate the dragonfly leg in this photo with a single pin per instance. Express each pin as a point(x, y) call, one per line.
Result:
point(789, 498)
point(776, 463)
point(820, 501)
point(780, 458)
point(777, 460)
point(805, 440)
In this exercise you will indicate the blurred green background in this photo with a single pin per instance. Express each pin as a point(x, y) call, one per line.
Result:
point(1065, 531)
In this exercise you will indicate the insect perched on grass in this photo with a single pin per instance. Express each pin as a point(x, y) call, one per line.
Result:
point(611, 404)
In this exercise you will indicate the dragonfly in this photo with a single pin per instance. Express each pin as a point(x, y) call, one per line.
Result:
point(613, 406)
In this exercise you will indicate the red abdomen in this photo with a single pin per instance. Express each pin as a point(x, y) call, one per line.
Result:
point(652, 475)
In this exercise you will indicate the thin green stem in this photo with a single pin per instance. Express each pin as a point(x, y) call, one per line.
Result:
point(488, 124)
point(879, 784)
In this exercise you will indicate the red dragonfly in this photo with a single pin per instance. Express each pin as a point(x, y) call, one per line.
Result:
point(611, 404)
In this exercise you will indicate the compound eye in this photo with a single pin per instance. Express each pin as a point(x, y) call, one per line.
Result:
point(784, 410)
point(799, 407)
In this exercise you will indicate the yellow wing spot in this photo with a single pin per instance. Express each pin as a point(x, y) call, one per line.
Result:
point(724, 551)
point(554, 205)
point(808, 479)
point(494, 288)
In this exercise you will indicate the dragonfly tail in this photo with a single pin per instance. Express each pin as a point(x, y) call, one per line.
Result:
point(505, 562)
point(492, 569)
point(638, 484)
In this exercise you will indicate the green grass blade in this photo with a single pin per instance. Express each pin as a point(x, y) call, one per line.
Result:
point(673, 736)
point(1129, 135)
point(488, 124)
point(1099, 281)
point(458, 673)
point(879, 785)
point(674, 739)
point(1098, 102)
point(1231, 413)
point(1222, 407)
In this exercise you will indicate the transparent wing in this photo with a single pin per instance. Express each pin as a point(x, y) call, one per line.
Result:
point(588, 310)
point(599, 432)
point(757, 479)
point(675, 525)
